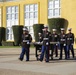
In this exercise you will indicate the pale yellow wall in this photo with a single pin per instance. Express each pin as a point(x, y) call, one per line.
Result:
point(42, 10)
point(68, 11)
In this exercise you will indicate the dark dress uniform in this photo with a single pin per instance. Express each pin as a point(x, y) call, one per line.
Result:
point(45, 46)
point(26, 40)
point(62, 40)
point(40, 38)
point(54, 38)
point(70, 42)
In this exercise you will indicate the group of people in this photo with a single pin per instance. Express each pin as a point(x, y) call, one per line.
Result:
point(50, 41)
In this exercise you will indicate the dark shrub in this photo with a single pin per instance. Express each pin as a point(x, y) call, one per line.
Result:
point(17, 32)
point(56, 23)
point(37, 28)
point(2, 35)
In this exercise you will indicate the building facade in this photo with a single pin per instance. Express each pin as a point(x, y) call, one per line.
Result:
point(29, 12)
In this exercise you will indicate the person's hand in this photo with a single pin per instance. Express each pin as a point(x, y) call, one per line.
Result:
point(64, 44)
point(28, 43)
point(56, 44)
point(47, 43)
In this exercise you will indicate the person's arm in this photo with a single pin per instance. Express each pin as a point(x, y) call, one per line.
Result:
point(30, 38)
point(73, 38)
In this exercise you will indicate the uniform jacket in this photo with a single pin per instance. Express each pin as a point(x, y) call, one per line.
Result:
point(62, 38)
point(70, 38)
point(45, 38)
point(26, 40)
point(54, 37)
point(40, 38)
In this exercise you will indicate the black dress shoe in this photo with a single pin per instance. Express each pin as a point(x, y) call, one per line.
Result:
point(46, 61)
point(60, 58)
point(51, 58)
point(27, 60)
point(65, 58)
point(20, 59)
point(41, 60)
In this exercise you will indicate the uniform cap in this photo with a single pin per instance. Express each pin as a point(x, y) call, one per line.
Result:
point(25, 29)
point(43, 29)
point(62, 29)
point(54, 29)
point(39, 33)
point(69, 29)
point(45, 26)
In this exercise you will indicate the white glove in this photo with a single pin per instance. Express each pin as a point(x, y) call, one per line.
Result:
point(56, 44)
point(38, 42)
point(47, 43)
point(28, 43)
point(64, 44)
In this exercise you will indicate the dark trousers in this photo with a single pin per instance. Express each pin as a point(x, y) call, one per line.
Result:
point(54, 47)
point(24, 51)
point(62, 47)
point(70, 47)
point(45, 50)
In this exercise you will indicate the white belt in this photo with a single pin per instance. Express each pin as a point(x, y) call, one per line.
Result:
point(45, 38)
point(62, 39)
point(69, 38)
point(25, 40)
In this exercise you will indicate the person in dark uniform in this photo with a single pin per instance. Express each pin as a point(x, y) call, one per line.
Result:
point(26, 40)
point(45, 45)
point(62, 40)
point(40, 37)
point(54, 38)
point(70, 43)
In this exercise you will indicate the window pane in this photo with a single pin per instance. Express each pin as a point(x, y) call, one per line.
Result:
point(8, 23)
point(31, 22)
point(36, 7)
point(50, 13)
point(56, 12)
point(56, 3)
point(31, 15)
point(27, 22)
point(50, 5)
point(16, 16)
point(8, 16)
point(26, 15)
point(35, 14)
point(13, 9)
point(31, 29)
point(26, 8)
point(31, 7)
point(16, 9)
point(13, 16)
point(8, 9)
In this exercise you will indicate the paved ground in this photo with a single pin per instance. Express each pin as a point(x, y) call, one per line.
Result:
point(10, 65)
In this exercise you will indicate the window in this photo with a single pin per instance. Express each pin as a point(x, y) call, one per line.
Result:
point(31, 17)
point(12, 19)
point(0, 17)
point(53, 8)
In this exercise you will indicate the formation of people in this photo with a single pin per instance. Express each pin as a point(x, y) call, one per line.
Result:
point(50, 41)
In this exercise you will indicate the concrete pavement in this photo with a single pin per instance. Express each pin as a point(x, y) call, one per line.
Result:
point(10, 65)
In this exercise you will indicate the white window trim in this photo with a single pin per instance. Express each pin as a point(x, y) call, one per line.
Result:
point(11, 21)
point(53, 10)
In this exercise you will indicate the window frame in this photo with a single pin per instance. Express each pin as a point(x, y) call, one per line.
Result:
point(31, 19)
point(11, 21)
point(53, 9)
